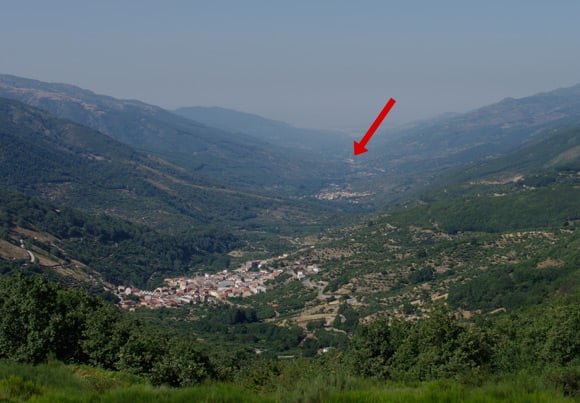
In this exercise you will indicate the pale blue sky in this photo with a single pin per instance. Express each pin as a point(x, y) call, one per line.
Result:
point(328, 64)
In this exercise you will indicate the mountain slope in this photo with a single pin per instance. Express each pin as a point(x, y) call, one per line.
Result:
point(487, 131)
point(239, 160)
point(503, 235)
point(273, 131)
point(554, 150)
point(77, 166)
point(78, 248)
point(404, 162)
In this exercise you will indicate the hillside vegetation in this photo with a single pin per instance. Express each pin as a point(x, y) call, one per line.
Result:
point(76, 166)
point(40, 321)
point(79, 246)
point(508, 329)
point(236, 160)
point(407, 160)
point(484, 245)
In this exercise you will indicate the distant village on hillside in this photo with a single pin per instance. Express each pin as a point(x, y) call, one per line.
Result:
point(249, 279)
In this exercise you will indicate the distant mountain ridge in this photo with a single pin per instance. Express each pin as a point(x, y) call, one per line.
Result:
point(273, 158)
point(239, 159)
point(489, 130)
point(274, 131)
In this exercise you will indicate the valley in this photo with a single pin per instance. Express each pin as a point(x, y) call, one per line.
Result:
point(113, 180)
point(290, 202)
point(251, 256)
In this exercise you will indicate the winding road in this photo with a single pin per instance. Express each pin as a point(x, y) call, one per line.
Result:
point(32, 257)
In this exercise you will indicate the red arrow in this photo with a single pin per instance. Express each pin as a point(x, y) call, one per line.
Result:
point(360, 147)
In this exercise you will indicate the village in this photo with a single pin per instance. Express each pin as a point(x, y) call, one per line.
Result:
point(249, 279)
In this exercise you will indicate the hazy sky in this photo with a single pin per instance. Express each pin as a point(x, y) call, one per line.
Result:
point(328, 64)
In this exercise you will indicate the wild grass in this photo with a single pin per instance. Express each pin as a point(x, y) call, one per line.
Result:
point(56, 382)
point(451, 392)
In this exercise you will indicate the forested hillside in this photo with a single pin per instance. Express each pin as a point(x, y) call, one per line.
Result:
point(486, 131)
point(504, 239)
point(407, 161)
point(76, 166)
point(81, 249)
point(238, 160)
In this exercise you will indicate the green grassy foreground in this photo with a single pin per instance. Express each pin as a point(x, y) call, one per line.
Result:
point(56, 382)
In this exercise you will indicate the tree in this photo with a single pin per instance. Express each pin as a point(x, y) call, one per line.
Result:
point(181, 365)
point(372, 347)
point(74, 308)
point(104, 335)
point(27, 306)
point(141, 352)
point(440, 346)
